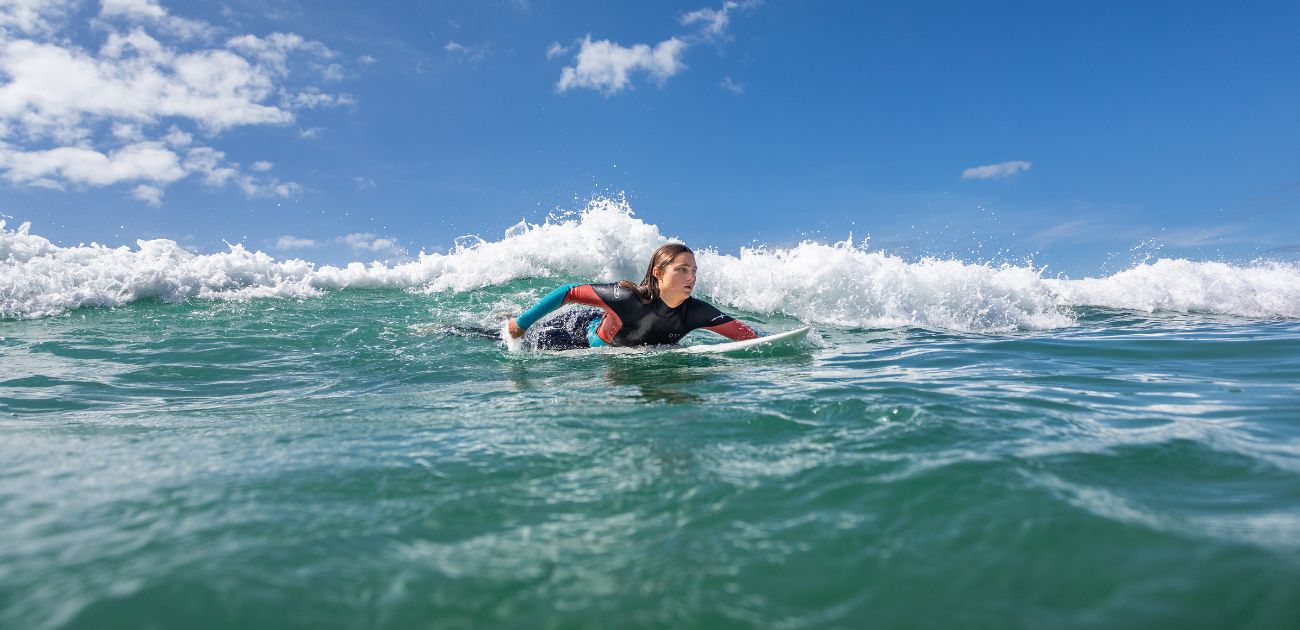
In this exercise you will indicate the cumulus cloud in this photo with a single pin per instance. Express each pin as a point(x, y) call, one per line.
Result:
point(262, 166)
point(151, 195)
point(293, 242)
point(366, 242)
point(86, 166)
point(73, 115)
point(35, 17)
point(996, 171)
point(149, 11)
point(606, 66)
point(731, 86)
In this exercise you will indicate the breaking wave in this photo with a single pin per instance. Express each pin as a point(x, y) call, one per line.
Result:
point(839, 284)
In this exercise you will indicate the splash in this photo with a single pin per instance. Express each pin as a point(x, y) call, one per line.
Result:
point(849, 286)
point(839, 284)
point(1265, 289)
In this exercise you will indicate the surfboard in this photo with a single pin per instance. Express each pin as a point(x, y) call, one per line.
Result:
point(787, 338)
point(784, 339)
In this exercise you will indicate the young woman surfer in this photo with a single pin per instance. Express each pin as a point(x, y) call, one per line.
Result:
point(660, 310)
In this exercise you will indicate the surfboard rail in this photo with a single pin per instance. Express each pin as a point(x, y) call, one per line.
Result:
point(781, 338)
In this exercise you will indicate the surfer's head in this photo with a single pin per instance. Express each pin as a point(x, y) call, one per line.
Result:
point(671, 270)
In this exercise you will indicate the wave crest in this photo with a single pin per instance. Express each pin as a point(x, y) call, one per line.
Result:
point(838, 284)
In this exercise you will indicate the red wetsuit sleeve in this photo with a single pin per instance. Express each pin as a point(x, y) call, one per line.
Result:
point(734, 330)
point(584, 294)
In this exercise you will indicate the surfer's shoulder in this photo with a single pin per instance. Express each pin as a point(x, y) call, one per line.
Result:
point(613, 291)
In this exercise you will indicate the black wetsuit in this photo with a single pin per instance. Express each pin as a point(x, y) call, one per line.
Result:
point(626, 320)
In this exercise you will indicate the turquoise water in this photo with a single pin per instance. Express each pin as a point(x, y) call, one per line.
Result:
point(359, 458)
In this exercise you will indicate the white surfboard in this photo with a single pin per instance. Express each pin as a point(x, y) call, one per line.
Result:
point(787, 338)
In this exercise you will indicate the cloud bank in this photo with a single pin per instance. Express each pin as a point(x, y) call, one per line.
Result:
point(126, 111)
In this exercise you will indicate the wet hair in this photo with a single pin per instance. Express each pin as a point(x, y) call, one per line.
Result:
point(648, 290)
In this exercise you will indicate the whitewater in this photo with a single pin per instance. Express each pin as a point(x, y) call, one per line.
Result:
point(235, 440)
point(840, 283)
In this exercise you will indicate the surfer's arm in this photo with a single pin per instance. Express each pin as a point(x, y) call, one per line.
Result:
point(734, 330)
point(567, 294)
point(553, 300)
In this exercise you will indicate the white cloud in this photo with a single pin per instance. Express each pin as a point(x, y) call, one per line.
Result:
point(556, 50)
point(127, 132)
point(472, 54)
point(213, 170)
point(366, 60)
point(996, 171)
point(32, 16)
point(309, 133)
point(149, 11)
point(59, 92)
point(146, 161)
point(85, 166)
point(367, 241)
point(262, 166)
point(177, 138)
point(285, 189)
point(293, 242)
point(364, 182)
point(151, 195)
point(732, 86)
point(273, 51)
point(605, 66)
point(373, 243)
point(713, 23)
point(77, 116)
point(332, 72)
point(311, 98)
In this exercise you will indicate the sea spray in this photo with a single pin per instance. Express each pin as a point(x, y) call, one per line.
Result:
point(839, 284)
point(849, 286)
point(1265, 289)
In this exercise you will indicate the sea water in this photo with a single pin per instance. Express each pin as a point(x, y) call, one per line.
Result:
point(232, 440)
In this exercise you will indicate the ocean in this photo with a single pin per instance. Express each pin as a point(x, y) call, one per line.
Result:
point(234, 440)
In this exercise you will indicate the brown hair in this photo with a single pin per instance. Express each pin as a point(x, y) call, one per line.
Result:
point(648, 290)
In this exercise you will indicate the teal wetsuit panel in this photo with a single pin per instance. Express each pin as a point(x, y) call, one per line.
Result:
point(552, 301)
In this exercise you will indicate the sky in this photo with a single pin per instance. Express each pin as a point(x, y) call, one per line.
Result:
point(1081, 136)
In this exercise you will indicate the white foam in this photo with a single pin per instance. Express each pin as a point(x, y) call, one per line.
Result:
point(849, 286)
point(1264, 289)
point(838, 284)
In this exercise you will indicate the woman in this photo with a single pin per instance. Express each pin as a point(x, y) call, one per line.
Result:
point(658, 311)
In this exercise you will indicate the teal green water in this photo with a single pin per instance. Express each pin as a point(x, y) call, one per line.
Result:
point(355, 460)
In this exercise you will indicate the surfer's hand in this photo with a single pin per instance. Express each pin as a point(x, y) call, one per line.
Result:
point(515, 330)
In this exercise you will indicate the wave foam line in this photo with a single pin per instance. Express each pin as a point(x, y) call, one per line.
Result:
point(838, 284)
point(1265, 289)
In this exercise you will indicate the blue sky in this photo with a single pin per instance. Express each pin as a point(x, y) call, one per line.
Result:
point(1086, 135)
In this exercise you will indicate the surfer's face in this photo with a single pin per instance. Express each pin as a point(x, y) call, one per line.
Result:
point(677, 278)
